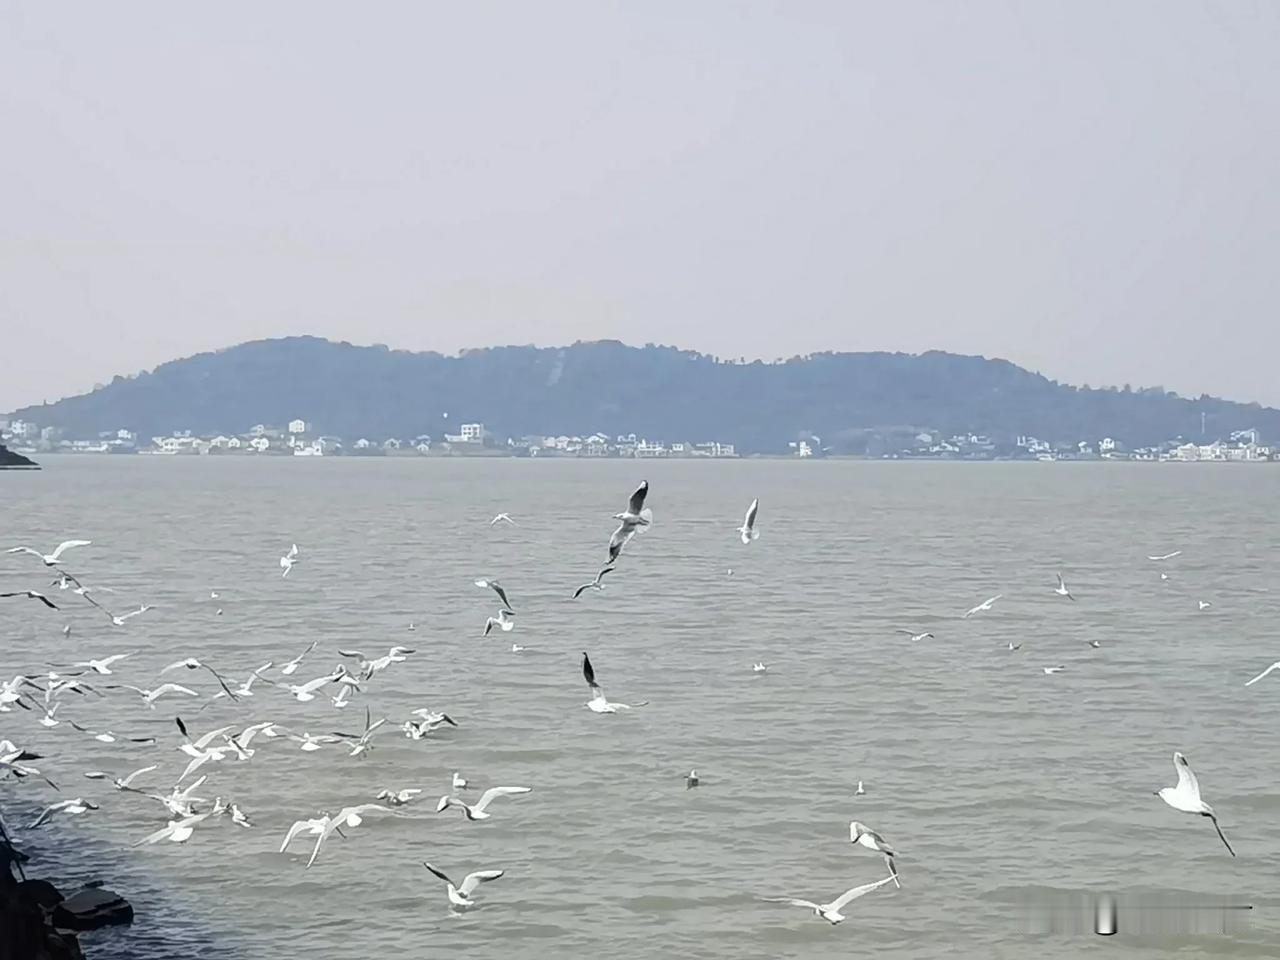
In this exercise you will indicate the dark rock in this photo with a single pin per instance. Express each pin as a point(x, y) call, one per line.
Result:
point(91, 908)
point(10, 459)
point(40, 892)
point(25, 933)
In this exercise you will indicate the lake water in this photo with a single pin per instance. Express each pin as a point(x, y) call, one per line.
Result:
point(997, 783)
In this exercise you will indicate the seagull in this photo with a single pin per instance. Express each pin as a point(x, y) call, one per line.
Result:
point(191, 663)
point(434, 719)
point(102, 666)
point(1166, 556)
point(459, 895)
point(516, 648)
point(458, 783)
point(398, 798)
point(245, 689)
point(631, 521)
point(312, 827)
point(1163, 575)
point(120, 619)
point(369, 667)
point(502, 620)
point(1274, 666)
point(288, 560)
point(1204, 604)
point(859, 791)
point(307, 691)
point(346, 817)
point(51, 559)
point(11, 763)
point(342, 697)
point(478, 812)
point(503, 517)
point(1186, 796)
point(596, 584)
point(864, 836)
point(691, 780)
point(831, 911)
point(598, 703)
point(359, 743)
point(179, 831)
point(121, 783)
point(748, 530)
point(1061, 589)
point(292, 665)
point(49, 720)
point(1015, 646)
point(33, 595)
point(179, 802)
point(149, 697)
point(106, 736)
point(758, 667)
point(497, 588)
point(915, 637)
point(984, 605)
point(238, 816)
point(1058, 669)
point(312, 742)
point(1096, 644)
point(76, 805)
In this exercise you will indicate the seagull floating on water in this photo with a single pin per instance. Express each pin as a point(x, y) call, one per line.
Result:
point(830, 912)
point(478, 810)
point(692, 780)
point(758, 667)
point(1058, 669)
point(748, 531)
point(459, 896)
point(1186, 796)
point(859, 791)
point(398, 798)
point(55, 558)
point(458, 783)
point(1204, 604)
point(635, 519)
point(984, 605)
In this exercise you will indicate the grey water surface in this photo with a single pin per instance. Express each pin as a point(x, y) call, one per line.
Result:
point(999, 785)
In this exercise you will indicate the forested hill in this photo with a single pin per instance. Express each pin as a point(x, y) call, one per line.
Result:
point(659, 392)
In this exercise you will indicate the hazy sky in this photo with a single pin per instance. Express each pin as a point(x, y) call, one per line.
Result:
point(1091, 189)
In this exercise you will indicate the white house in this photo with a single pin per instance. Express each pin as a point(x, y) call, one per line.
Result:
point(391, 443)
point(258, 430)
point(260, 444)
point(362, 444)
point(298, 426)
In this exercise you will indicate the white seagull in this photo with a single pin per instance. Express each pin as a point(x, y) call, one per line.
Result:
point(984, 605)
point(398, 798)
point(598, 703)
point(864, 836)
point(119, 619)
point(635, 519)
point(102, 666)
point(503, 518)
point(1204, 604)
point(288, 560)
point(293, 664)
point(502, 621)
point(191, 663)
point(149, 697)
point(313, 827)
point(748, 530)
point(859, 791)
point(76, 805)
point(459, 896)
point(458, 783)
point(1058, 669)
point(759, 667)
point(478, 811)
point(830, 912)
point(1274, 666)
point(1186, 796)
point(179, 831)
point(346, 817)
point(1061, 589)
point(307, 691)
point(55, 558)
point(596, 584)
point(915, 637)
point(121, 783)
point(1166, 556)
point(497, 588)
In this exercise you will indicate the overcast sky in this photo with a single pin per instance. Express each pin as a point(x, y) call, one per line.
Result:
point(1090, 189)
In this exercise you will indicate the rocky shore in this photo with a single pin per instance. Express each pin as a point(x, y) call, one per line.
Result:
point(37, 922)
point(14, 461)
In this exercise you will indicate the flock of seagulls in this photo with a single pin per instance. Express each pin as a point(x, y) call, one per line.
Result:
point(186, 813)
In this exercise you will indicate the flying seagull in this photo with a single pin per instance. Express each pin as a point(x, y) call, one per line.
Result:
point(748, 530)
point(478, 811)
point(102, 666)
point(1204, 604)
point(631, 521)
point(32, 595)
point(459, 896)
point(288, 560)
point(106, 736)
point(1061, 589)
point(598, 703)
point(864, 836)
point(121, 783)
point(502, 620)
point(191, 663)
point(503, 518)
point(51, 559)
point(313, 827)
point(596, 584)
point(497, 588)
point(1166, 556)
point(149, 697)
point(984, 605)
point(293, 664)
point(76, 805)
point(346, 817)
point(1186, 796)
point(830, 912)
point(915, 636)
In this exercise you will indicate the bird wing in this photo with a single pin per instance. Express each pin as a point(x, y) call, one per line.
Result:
point(221, 681)
point(67, 545)
point(502, 594)
point(586, 586)
point(209, 737)
point(353, 654)
point(750, 521)
point(807, 904)
point(856, 892)
point(172, 688)
point(34, 553)
point(311, 686)
point(473, 880)
point(297, 827)
point(437, 872)
point(125, 781)
point(636, 503)
point(494, 792)
point(1211, 817)
point(1061, 583)
point(1274, 666)
point(1187, 782)
point(588, 671)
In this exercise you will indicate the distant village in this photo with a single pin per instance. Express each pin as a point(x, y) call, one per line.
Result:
point(299, 438)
